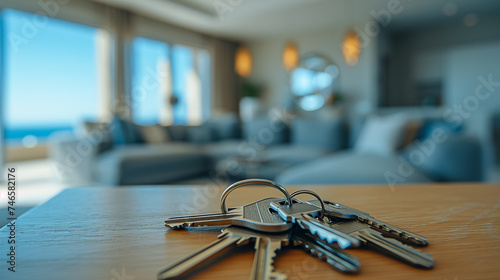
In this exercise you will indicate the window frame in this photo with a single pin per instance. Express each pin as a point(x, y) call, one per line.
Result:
point(196, 50)
point(173, 36)
point(86, 13)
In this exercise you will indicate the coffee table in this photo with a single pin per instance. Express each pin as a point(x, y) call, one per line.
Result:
point(118, 233)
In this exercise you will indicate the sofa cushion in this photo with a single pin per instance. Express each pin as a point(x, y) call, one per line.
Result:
point(200, 134)
point(154, 134)
point(224, 127)
point(224, 149)
point(410, 132)
point(381, 135)
point(323, 133)
point(292, 154)
point(265, 131)
point(124, 132)
point(352, 168)
point(457, 159)
point(177, 133)
point(150, 164)
point(430, 124)
point(100, 128)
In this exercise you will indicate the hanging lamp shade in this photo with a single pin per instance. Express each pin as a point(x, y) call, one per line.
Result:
point(290, 56)
point(243, 61)
point(351, 48)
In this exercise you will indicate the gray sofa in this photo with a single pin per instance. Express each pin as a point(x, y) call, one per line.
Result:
point(457, 160)
point(300, 151)
point(266, 145)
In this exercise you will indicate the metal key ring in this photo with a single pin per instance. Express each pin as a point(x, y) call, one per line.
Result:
point(247, 182)
point(323, 210)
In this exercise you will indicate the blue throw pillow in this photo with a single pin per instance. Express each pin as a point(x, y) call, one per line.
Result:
point(124, 132)
point(429, 126)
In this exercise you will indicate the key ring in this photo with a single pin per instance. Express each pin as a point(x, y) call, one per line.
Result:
point(323, 210)
point(247, 182)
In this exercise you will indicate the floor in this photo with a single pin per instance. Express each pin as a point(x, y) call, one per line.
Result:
point(37, 182)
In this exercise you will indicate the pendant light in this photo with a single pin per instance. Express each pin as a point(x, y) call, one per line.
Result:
point(290, 56)
point(351, 48)
point(243, 61)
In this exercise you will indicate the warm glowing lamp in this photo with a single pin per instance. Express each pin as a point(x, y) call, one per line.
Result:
point(290, 56)
point(351, 48)
point(243, 61)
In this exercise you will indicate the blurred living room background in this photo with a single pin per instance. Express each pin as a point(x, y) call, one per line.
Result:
point(159, 92)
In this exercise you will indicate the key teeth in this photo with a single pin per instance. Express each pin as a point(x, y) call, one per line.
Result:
point(390, 230)
point(282, 275)
point(184, 225)
point(177, 226)
point(271, 259)
point(174, 226)
point(341, 242)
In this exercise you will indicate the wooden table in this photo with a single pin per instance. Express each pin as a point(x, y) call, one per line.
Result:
point(118, 233)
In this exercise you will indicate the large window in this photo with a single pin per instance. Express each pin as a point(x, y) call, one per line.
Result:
point(170, 83)
point(56, 77)
point(51, 76)
point(150, 81)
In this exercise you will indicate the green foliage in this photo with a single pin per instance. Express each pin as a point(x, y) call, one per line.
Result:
point(250, 90)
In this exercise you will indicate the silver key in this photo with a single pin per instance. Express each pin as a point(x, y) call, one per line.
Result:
point(303, 215)
point(256, 216)
point(341, 211)
point(337, 258)
point(266, 247)
point(230, 238)
point(376, 241)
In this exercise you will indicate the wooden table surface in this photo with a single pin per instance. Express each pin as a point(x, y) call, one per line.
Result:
point(118, 233)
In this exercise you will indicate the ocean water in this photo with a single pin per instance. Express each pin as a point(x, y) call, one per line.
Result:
point(16, 134)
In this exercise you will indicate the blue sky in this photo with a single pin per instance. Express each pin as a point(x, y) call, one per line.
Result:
point(147, 54)
point(51, 80)
point(182, 62)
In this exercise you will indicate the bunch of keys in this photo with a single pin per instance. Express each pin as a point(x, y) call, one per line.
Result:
point(321, 228)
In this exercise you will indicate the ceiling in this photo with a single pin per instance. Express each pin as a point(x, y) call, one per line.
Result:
point(260, 19)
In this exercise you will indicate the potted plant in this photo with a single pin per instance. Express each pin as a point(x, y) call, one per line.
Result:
point(250, 105)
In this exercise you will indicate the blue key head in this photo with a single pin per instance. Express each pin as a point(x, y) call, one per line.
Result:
point(291, 213)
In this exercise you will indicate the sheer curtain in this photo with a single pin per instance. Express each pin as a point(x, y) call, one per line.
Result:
point(226, 84)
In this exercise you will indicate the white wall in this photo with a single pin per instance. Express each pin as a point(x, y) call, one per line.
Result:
point(417, 57)
point(466, 69)
point(357, 83)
